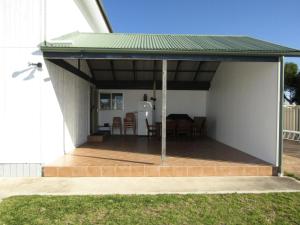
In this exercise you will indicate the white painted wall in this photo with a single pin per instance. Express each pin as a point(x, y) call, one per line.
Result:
point(42, 113)
point(192, 103)
point(64, 112)
point(242, 108)
point(27, 23)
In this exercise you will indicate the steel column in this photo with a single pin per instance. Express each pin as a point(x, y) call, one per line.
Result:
point(280, 111)
point(154, 93)
point(164, 111)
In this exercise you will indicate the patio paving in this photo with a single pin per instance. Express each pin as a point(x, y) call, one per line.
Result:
point(139, 156)
point(291, 157)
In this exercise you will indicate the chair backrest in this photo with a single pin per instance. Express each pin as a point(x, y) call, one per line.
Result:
point(130, 116)
point(117, 121)
point(199, 121)
point(147, 123)
point(184, 124)
point(171, 124)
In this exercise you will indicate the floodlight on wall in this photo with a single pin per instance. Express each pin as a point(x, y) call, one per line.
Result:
point(38, 65)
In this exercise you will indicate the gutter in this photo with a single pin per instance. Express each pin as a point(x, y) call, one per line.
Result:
point(65, 48)
point(102, 10)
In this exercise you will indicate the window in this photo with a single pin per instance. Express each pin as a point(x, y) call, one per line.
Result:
point(111, 101)
point(105, 102)
point(117, 101)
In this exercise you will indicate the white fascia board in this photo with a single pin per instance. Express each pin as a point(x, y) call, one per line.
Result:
point(93, 15)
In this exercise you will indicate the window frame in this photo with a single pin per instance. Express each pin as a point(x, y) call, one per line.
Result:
point(112, 100)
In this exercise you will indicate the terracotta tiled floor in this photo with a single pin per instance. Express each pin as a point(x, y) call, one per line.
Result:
point(139, 156)
point(291, 157)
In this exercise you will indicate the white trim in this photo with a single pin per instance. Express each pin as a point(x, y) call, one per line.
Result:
point(94, 16)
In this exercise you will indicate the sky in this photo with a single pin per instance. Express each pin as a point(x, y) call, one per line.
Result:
point(277, 21)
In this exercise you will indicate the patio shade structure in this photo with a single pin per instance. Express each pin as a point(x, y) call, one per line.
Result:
point(185, 62)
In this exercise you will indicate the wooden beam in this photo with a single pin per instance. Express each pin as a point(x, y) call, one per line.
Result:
point(149, 70)
point(164, 111)
point(91, 69)
point(148, 85)
point(112, 69)
point(79, 64)
point(176, 70)
point(140, 56)
point(63, 64)
point(198, 71)
point(217, 66)
point(154, 70)
point(133, 70)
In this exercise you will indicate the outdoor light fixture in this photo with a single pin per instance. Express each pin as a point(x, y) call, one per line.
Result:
point(38, 65)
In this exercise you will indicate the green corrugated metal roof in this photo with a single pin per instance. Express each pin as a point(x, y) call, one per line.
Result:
point(164, 44)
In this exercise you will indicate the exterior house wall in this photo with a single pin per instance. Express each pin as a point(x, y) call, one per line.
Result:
point(43, 113)
point(242, 108)
point(192, 103)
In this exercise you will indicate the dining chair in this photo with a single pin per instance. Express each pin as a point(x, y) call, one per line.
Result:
point(171, 127)
point(117, 124)
point(184, 127)
point(198, 125)
point(151, 129)
point(130, 122)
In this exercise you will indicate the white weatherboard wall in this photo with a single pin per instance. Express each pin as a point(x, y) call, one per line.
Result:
point(192, 103)
point(43, 113)
point(64, 112)
point(242, 108)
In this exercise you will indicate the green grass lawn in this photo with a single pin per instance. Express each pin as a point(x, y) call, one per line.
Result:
point(281, 208)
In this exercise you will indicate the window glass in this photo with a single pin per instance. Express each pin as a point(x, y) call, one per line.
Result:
point(117, 101)
point(105, 101)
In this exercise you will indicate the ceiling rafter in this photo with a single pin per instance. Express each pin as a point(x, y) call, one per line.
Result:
point(79, 64)
point(148, 85)
point(198, 71)
point(176, 70)
point(149, 70)
point(91, 69)
point(133, 69)
point(113, 69)
point(154, 70)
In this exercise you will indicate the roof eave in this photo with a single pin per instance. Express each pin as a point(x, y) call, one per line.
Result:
point(165, 52)
point(105, 17)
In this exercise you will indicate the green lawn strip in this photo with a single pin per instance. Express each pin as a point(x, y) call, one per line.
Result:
point(277, 208)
